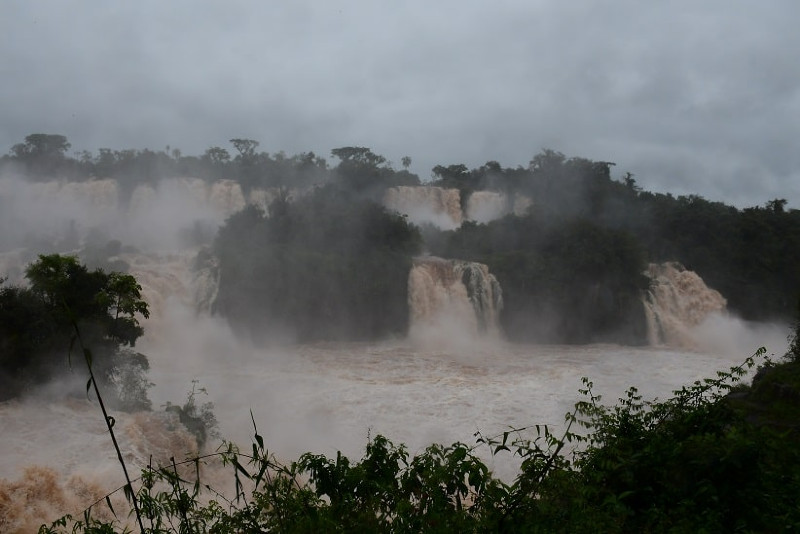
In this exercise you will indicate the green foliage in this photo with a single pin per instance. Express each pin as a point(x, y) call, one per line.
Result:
point(43, 156)
point(42, 153)
point(38, 327)
point(128, 376)
point(328, 266)
point(794, 340)
point(571, 269)
point(369, 174)
point(696, 462)
point(749, 255)
point(574, 282)
point(199, 419)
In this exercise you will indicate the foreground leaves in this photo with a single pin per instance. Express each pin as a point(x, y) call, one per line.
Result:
point(695, 462)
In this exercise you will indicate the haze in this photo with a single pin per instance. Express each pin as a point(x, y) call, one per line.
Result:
point(697, 98)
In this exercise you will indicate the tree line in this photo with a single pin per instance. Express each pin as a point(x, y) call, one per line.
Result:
point(45, 157)
point(571, 267)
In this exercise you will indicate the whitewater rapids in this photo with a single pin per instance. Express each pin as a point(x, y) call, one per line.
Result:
point(321, 398)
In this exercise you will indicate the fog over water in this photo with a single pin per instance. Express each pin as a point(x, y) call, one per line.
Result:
point(690, 97)
point(319, 397)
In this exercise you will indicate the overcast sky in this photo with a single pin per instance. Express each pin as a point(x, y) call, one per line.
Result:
point(691, 97)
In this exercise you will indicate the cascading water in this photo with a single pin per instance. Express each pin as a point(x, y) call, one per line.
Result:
point(321, 398)
point(678, 300)
point(226, 196)
point(426, 204)
point(205, 281)
point(442, 207)
point(452, 298)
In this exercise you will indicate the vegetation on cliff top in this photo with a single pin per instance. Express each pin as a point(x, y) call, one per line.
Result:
point(571, 268)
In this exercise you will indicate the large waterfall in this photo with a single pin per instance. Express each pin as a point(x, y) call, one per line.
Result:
point(442, 207)
point(452, 298)
point(63, 212)
point(678, 301)
point(433, 205)
point(179, 214)
point(485, 206)
point(169, 214)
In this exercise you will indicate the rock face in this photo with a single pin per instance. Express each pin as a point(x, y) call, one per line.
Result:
point(453, 298)
point(677, 301)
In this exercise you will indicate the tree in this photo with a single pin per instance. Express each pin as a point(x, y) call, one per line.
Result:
point(362, 170)
point(452, 175)
point(246, 147)
point(122, 299)
point(76, 295)
point(547, 160)
point(217, 156)
point(630, 182)
point(67, 303)
point(406, 161)
point(43, 154)
point(777, 205)
point(358, 154)
point(39, 145)
point(327, 266)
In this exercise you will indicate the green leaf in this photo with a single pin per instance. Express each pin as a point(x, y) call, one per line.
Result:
point(128, 491)
point(258, 438)
point(108, 502)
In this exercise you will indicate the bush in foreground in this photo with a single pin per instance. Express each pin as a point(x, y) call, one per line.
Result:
point(700, 461)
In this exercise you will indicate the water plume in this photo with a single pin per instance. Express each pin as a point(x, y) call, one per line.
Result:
point(678, 301)
point(452, 303)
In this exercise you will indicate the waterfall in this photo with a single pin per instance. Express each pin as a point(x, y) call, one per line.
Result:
point(263, 197)
point(425, 204)
point(226, 197)
point(485, 206)
point(205, 280)
point(450, 298)
point(442, 207)
point(678, 300)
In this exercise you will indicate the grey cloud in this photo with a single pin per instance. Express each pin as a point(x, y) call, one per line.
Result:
point(692, 97)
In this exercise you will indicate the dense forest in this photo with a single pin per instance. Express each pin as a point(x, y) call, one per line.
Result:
point(326, 260)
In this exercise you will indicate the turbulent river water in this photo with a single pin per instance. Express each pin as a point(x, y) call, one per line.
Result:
point(57, 456)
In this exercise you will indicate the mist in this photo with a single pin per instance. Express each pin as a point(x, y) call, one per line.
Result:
point(692, 99)
point(449, 372)
point(304, 308)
